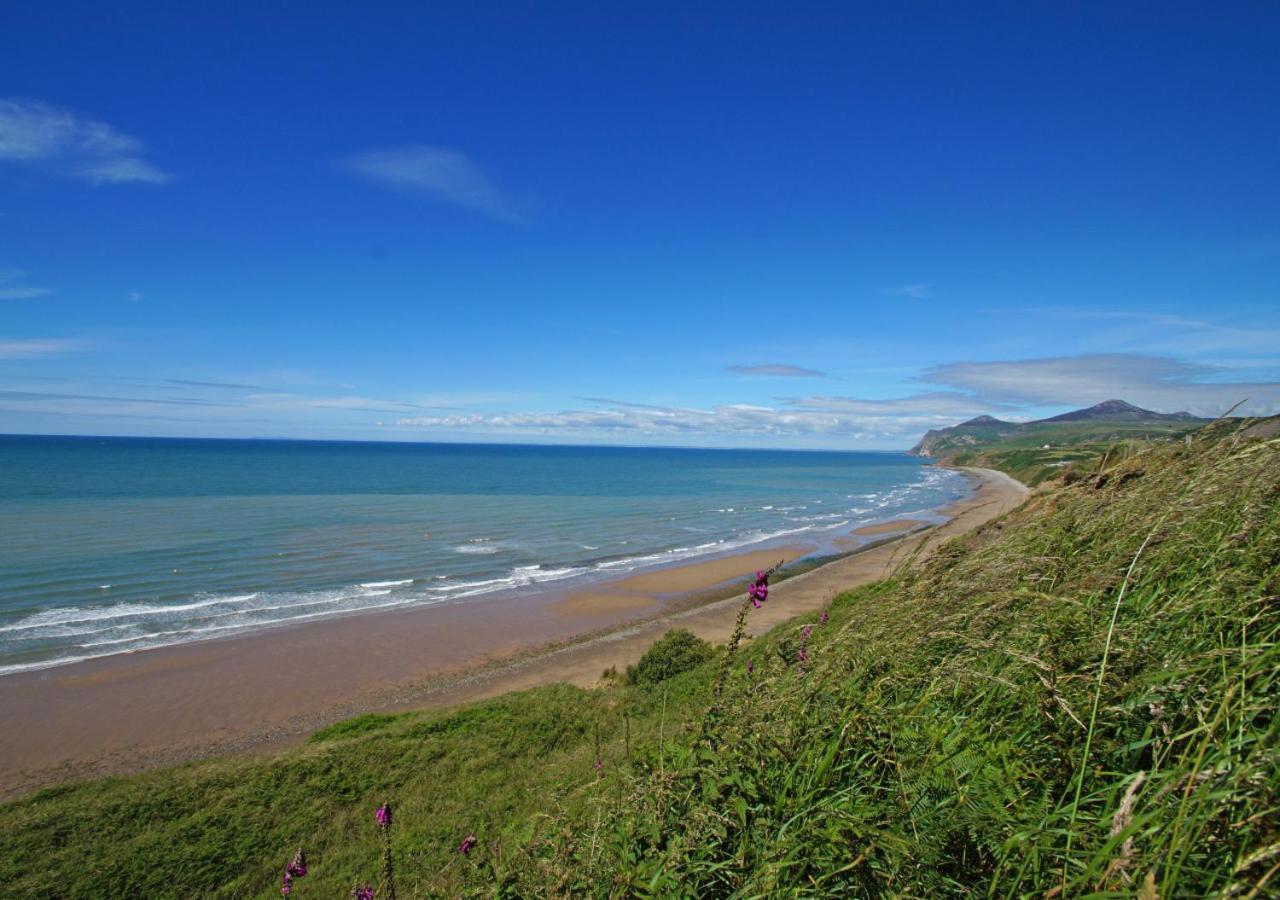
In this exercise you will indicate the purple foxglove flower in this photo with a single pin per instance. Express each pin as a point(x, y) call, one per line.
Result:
point(751, 666)
point(467, 844)
point(803, 655)
point(298, 865)
point(286, 886)
point(808, 630)
point(383, 815)
point(824, 618)
point(362, 892)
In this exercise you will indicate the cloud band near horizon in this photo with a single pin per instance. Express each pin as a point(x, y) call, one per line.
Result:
point(1010, 389)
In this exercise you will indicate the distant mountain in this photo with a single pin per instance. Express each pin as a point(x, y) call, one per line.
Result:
point(985, 421)
point(1108, 420)
point(972, 433)
point(1119, 411)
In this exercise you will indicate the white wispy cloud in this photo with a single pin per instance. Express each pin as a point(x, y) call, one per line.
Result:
point(22, 293)
point(39, 396)
point(60, 141)
point(228, 385)
point(13, 288)
point(776, 370)
point(33, 348)
point(282, 401)
point(643, 422)
point(911, 291)
point(932, 403)
point(1161, 383)
point(206, 401)
point(1172, 334)
point(439, 172)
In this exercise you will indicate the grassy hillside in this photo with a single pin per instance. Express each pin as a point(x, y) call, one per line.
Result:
point(1045, 450)
point(1036, 451)
point(1039, 451)
point(1076, 699)
point(1034, 463)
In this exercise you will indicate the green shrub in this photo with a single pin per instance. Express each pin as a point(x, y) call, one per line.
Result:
point(679, 650)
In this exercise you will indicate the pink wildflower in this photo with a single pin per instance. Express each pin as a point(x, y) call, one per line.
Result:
point(362, 892)
point(467, 844)
point(298, 865)
point(383, 815)
point(824, 617)
point(286, 886)
point(759, 590)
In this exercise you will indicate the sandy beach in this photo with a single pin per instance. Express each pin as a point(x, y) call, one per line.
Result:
point(126, 713)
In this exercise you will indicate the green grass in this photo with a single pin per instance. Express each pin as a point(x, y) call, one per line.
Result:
point(1039, 452)
point(1035, 465)
point(226, 827)
point(1079, 697)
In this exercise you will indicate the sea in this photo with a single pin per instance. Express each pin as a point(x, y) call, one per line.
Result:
point(113, 545)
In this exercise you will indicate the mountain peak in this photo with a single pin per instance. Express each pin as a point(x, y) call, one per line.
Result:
point(1118, 410)
point(1115, 406)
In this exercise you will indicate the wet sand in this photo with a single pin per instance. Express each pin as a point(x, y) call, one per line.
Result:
point(890, 527)
point(130, 712)
point(858, 539)
point(647, 591)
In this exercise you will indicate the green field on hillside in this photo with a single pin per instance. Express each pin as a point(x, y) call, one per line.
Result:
point(1041, 451)
point(1076, 699)
point(1045, 451)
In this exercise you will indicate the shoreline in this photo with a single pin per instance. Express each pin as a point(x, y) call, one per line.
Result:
point(126, 713)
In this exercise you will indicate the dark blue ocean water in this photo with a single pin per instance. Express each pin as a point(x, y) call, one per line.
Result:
point(110, 545)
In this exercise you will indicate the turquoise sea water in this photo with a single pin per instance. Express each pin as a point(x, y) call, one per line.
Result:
point(110, 545)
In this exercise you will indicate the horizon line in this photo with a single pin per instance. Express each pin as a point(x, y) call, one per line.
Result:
point(468, 443)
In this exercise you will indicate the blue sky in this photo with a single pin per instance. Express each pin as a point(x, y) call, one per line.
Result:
point(690, 224)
